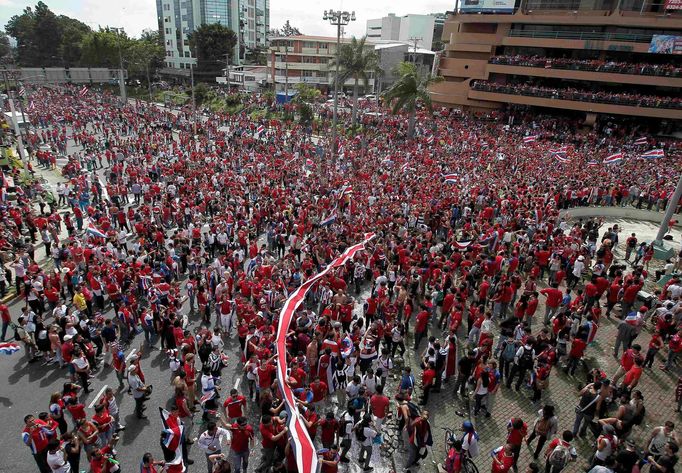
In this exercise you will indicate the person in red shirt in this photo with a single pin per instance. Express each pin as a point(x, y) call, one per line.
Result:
point(674, 350)
point(630, 292)
point(6, 320)
point(633, 375)
point(330, 459)
point(554, 298)
point(612, 296)
point(35, 437)
point(329, 428)
point(319, 390)
point(270, 435)
point(234, 405)
point(428, 378)
point(503, 459)
point(516, 432)
point(379, 405)
point(420, 325)
point(242, 441)
point(627, 360)
point(578, 346)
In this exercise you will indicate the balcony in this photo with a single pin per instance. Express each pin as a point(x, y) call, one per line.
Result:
point(586, 101)
point(303, 80)
point(583, 36)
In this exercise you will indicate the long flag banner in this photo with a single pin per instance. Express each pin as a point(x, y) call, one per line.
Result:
point(613, 158)
point(654, 154)
point(306, 456)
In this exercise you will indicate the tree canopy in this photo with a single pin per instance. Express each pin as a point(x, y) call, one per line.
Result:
point(211, 43)
point(286, 30)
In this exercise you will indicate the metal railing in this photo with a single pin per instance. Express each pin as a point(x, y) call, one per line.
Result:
point(579, 95)
point(607, 67)
point(582, 36)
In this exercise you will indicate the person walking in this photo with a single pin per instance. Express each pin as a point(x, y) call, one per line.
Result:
point(586, 408)
point(560, 453)
point(544, 428)
point(211, 441)
point(523, 361)
point(365, 434)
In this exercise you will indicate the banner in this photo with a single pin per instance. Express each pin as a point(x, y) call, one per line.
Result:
point(306, 456)
point(666, 44)
point(486, 6)
point(673, 5)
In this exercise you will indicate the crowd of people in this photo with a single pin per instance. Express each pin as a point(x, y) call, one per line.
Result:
point(217, 230)
point(570, 93)
point(596, 65)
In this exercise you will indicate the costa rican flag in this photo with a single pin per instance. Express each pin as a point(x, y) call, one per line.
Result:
point(171, 439)
point(450, 178)
point(83, 92)
point(530, 139)
point(260, 129)
point(561, 158)
point(94, 231)
point(654, 154)
point(593, 163)
point(341, 151)
point(561, 150)
point(328, 220)
point(22, 91)
point(309, 162)
point(462, 245)
point(304, 449)
point(346, 189)
point(9, 348)
point(347, 347)
point(641, 141)
point(613, 158)
point(429, 139)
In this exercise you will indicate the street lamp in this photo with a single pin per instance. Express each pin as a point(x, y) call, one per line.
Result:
point(337, 18)
point(121, 82)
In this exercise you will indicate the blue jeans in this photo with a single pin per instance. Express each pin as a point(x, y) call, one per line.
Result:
point(239, 461)
point(5, 325)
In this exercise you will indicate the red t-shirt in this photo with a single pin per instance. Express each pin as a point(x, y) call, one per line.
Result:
point(379, 405)
point(234, 405)
point(241, 437)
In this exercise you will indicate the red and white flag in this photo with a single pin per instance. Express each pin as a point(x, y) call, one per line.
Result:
point(83, 92)
point(530, 139)
point(171, 439)
point(260, 129)
point(613, 158)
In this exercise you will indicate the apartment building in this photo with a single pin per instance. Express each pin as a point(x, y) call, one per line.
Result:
point(611, 57)
point(408, 28)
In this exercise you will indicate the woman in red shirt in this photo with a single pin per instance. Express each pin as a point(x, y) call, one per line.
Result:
point(503, 459)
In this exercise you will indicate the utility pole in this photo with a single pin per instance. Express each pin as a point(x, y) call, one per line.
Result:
point(337, 18)
point(286, 71)
point(414, 40)
point(121, 79)
point(194, 103)
point(149, 84)
point(669, 212)
point(17, 130)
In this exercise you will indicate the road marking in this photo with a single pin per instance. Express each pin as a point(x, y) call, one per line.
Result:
point(130, 355)
point(236, 383)
point(97, 396)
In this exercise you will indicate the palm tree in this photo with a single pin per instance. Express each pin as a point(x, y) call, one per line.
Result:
point(410, 89)
point(356, 61)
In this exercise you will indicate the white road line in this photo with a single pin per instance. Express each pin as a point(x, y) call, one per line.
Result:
point(130, 355)
point(236, 383)
point(97, 396)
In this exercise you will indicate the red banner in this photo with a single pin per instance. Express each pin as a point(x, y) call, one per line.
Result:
point(306, 456)
point(673, 5)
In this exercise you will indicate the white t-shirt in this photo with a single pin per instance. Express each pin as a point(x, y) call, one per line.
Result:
point(57, 462)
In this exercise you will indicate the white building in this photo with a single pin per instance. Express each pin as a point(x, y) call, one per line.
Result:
point(405, 29)
point(178, 18)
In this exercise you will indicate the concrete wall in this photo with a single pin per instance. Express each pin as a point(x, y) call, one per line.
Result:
point(616, 212)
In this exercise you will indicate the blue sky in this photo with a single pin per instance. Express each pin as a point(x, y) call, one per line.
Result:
point(137, 15)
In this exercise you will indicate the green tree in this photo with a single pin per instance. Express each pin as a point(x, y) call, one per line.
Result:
point(5, 48)
point(211, 43)
point(101, 48)
point(305, 96)
point(144, 56)
point(73, 32)
point(286, 30)
point(45, 39)
point(356, 60)
point(408, 91)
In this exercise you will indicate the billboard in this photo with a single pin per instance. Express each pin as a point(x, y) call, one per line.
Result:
point(673, 4)
point(665, 44)
point(486, 6)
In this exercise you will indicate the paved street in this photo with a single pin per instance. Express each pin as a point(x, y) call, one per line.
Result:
point(29, 386)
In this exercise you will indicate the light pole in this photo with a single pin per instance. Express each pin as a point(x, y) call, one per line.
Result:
point(15, 121)
point(337, 18)
point(121, 80)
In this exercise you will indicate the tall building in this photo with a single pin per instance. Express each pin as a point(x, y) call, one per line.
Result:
point(255, 21)
point(404, 28)
point(609, 57)
point(178, 18)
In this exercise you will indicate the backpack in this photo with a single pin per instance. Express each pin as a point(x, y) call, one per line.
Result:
point(560, 456)
point(509, 351)
point(360, 432)
point(526, 359)
point(485, 379)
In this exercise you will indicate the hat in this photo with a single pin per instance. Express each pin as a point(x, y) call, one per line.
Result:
point(581, 258)
point(67, 337)
point(131, 368)
point(608, 429)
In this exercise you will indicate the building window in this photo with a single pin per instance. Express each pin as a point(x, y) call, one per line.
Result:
point(166, 7)
point(322, 45)
point(168, 31)
point(187, 54)
point(308, 44)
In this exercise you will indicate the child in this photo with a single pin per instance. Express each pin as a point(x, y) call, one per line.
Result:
point(655, 344)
